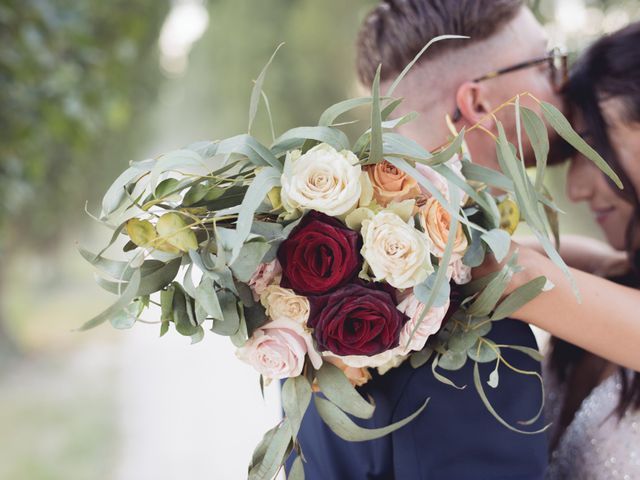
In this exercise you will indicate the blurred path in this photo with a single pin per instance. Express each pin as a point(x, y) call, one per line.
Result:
point(187, 411)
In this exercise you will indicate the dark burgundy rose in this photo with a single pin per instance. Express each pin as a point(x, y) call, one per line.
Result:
point(320, 255)
point(356, 320)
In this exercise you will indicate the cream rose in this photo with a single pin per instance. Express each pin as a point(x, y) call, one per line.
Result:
point(413, 308)
point(321, 179)
point(395, 251)
point(283, 303)
point(436, 222)
point(265, 275)
point(278, 348)
point(391, 184)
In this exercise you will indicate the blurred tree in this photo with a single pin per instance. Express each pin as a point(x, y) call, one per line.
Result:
point(74, 77)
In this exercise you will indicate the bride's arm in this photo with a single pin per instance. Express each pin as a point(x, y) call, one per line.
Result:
point(606, 323)
point(586, 254)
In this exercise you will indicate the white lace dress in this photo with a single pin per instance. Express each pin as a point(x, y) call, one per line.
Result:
point(597, 445)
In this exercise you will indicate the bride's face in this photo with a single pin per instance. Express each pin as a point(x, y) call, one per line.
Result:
point(585, 182)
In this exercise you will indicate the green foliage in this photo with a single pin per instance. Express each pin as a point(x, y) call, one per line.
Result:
point(74, 77)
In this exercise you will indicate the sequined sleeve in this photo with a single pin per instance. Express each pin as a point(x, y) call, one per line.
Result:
point(598, 444)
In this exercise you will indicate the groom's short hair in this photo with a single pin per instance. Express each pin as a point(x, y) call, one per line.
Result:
point(395, 31)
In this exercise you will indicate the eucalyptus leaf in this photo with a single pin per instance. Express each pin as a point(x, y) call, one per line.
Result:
point(452, 360)
point(539, 139)
point(296, 396)
point(334, 111)
point(562, 126)
point(421, 357)
point(424, 290)
point(499, 241)
point(296, 137)
point(493, 178)
point(485, 400)
point(519, 298)
point(297, 470)
point(375, 149)
point(266, 179)
point(449, 151)
point(336, 387)
point(441, 378)
point(483, 351)
point(230, 318)
point(248, 259)
point(273, 455)
point(198, 336)
point(257, 89)
point(406, 69)
point(345, 428)
point(125, 299)
point(474, 256)
point(126, 318)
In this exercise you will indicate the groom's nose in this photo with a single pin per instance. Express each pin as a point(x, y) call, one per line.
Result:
point(580, 179)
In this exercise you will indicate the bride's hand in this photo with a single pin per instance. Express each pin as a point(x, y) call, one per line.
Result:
point(527, 257)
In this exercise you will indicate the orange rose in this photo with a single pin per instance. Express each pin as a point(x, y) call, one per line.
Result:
point(391, 184)
point(357, 376)
point(436, 222)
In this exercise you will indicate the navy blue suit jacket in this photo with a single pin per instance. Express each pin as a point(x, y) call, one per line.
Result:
point(454, 438)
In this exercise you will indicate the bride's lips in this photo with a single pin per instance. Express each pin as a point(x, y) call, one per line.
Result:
point(601, 214)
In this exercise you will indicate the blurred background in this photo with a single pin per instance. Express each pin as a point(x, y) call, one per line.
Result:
point(86, 86)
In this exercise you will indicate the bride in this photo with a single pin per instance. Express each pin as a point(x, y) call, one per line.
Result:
point(593, 403)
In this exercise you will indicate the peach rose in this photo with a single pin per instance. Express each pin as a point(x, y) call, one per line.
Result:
point(357, 376)
point(436, 222)
point(391, 184)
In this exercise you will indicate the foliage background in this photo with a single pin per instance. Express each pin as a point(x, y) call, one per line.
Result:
point(86, 86)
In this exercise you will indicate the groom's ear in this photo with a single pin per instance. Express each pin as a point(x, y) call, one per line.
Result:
point(473, 104)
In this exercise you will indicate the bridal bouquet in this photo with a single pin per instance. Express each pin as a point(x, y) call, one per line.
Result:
point(322, 258)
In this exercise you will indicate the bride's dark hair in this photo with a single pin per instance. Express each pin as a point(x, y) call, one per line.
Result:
point(610, 68)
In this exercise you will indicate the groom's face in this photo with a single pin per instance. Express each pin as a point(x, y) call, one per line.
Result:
point(522, 40)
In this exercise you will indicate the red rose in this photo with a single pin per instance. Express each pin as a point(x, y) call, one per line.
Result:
point(320, 255)
point(356, 320)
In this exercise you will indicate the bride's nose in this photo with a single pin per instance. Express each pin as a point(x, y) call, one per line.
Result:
point(580, 179)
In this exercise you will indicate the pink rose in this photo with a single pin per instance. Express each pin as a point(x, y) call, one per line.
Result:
point(438, 180)
point(459, 272)
point(278, 349)
point(412, 308)
point(265, 275)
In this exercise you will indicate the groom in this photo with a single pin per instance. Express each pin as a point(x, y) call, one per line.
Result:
point(455, 438)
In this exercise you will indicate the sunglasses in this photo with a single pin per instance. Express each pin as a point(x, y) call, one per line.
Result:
point(555, 59)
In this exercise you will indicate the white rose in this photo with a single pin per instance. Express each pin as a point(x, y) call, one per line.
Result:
point(458, 271)
point(395, 251)
point(394, 362)
point(278, 348)
point(365, 361)
point(283, 303)
point(413, 308)
point(322, 179)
